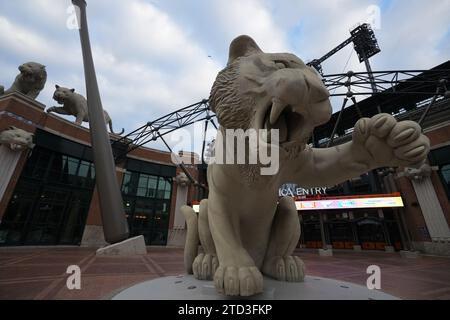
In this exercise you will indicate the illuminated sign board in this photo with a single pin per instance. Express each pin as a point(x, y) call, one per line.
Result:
point(357, 203)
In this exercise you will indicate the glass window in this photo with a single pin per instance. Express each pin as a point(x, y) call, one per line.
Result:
point(71, 165)
point(142, 185)
point(50, 203)
point(152, 182)
point(84, 170)
point(147, 205)
point(37, 165)
point(164, 188)
point(126, 183)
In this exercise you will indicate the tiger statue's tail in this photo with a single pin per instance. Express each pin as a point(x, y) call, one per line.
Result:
point(192, 237)
point(198, 232)
point(112, 131)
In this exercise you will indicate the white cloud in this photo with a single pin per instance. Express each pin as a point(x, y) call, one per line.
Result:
point(29, 44)
point(251, 17)
point(133, 87)
point(152, 60)
point(411, 34)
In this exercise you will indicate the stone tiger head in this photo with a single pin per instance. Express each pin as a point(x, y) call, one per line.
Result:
point(33, 73)
point(61, 94)
point(270, 91)
point(16, 139)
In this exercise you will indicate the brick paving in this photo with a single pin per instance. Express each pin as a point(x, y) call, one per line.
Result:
point(40, 273)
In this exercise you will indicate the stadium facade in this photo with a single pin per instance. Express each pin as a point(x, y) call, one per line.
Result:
point(48, 194)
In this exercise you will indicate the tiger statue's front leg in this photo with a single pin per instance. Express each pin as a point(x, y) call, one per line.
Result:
point(279, 262)
point(224, 259)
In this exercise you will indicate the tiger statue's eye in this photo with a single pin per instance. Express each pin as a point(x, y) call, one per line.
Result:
point(281, 64)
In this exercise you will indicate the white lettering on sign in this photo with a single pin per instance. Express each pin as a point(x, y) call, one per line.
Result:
point(284, 192)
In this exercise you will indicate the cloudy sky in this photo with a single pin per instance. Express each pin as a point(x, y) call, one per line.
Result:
point(155, 56)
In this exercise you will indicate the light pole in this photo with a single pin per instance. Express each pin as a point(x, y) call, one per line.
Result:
point(115, 226)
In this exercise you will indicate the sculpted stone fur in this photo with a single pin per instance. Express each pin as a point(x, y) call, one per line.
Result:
point(16, 139)
point(75, 104)
point(244, 229)
point(30, 81)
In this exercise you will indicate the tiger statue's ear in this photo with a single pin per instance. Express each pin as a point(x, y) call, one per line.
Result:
point(72, 90)
point(56, 86)
point(242, 46)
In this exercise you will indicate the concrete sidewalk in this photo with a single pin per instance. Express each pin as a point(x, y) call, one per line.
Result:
point(40, 273)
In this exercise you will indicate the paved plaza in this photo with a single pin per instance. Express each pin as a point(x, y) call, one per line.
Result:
point(40, 273)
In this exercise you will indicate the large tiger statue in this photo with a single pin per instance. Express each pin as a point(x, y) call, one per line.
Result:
point(245, 230)
point(75, 104)
point(30, 81)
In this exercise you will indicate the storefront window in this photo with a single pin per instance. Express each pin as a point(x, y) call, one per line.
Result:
point(50, 203)
point(164, 188)
point(340, 233)
point(147, 205)
point(370, 234)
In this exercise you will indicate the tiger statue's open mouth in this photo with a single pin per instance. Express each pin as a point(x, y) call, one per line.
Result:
point(293, 131)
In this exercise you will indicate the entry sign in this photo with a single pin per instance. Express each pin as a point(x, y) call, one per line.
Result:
point(382, 202)
point(297, 191)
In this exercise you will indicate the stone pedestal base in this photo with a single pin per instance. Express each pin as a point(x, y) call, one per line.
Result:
point(93, 237)
point(129, 247)
point(410, 254)
point(325, 253)
point(389, 249)
point(186, 287)
point(357, 248)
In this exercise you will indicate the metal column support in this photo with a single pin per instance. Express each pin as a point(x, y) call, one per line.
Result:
point(371, 78)
point(354, 227)
point(204, 141)
point(188, 174)
point(337, 123)
point(322, 232)
point(401, 229)
point(404, 225)
point(180, 164)
point(387, 237)
point(441, 88)
point(358, 110)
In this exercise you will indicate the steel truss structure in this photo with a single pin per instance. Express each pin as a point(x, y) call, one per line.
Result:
point(386, 82)
point(158, 128)
point(364, 42)
point(418, 82)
